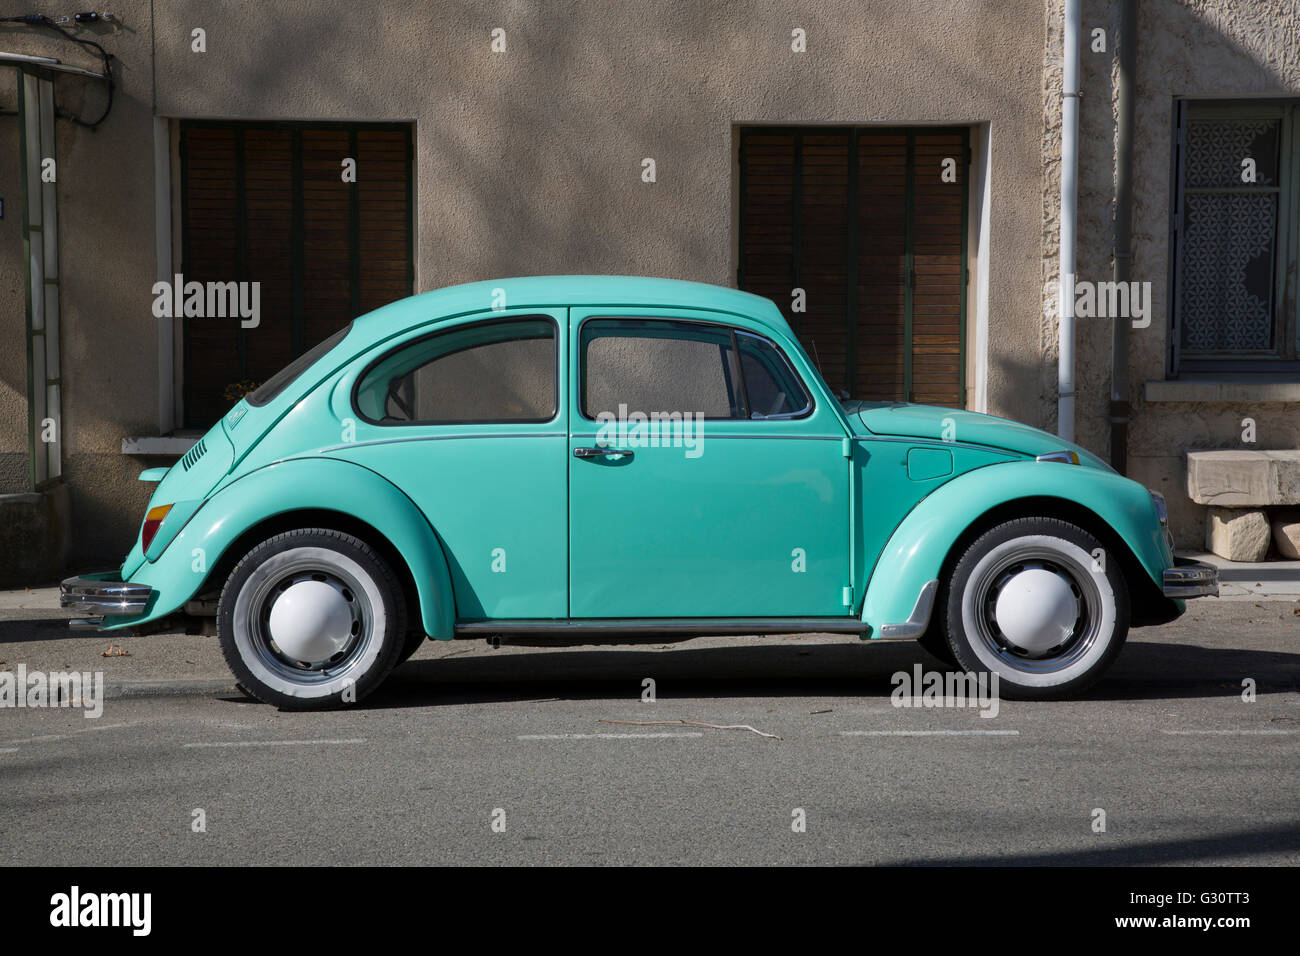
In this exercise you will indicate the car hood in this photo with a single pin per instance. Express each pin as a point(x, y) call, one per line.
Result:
point(950, 424)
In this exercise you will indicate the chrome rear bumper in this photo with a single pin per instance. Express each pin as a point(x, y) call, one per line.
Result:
point(105, 593)
point(1189, 579)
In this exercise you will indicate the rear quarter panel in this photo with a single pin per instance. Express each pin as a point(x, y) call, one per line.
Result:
point(295, 484)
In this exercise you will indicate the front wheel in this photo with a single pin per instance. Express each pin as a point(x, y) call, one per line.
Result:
point(1039, 603)
point(311, 618)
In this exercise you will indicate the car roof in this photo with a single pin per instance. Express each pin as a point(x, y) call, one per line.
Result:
point(616, 292)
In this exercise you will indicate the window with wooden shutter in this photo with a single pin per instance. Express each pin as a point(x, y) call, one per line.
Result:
point(267, 203)
point(865, 222)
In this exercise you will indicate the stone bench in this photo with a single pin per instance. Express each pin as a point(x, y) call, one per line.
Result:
point(1237, 486)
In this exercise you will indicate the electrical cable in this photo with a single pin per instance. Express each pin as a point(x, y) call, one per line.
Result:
point(41, 20)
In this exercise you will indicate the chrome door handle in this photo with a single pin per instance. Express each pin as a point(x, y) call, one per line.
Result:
point(599, 452)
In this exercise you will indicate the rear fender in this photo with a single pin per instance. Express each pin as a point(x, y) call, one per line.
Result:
point(299, 484)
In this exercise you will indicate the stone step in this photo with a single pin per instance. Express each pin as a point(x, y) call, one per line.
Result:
point(1244, 479)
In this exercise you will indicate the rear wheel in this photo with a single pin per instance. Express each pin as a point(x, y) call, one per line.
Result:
point(1036, 602)
point(311, 618)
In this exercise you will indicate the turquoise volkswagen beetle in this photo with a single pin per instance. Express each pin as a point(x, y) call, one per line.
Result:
point(593, 457)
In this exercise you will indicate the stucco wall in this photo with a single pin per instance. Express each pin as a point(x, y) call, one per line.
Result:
point(1185, 49)
point(13, 351)
point(527, 162)
point(106, 243)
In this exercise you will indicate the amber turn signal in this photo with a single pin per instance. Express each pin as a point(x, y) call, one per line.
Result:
point(151, 523)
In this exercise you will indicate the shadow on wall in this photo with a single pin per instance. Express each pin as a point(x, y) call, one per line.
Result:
point(1032, 386)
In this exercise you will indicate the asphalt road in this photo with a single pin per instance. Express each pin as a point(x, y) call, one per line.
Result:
point(1184, 769)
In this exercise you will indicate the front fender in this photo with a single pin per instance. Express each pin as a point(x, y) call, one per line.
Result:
point(916, 551)
point(298, 484)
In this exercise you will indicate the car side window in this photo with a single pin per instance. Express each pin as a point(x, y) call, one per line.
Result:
point(653, 365)
point(501, 371)
point(647, 366)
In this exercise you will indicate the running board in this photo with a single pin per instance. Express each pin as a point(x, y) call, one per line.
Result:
point(651, 625)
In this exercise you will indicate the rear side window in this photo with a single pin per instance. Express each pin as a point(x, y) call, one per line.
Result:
point(648, 366)
point(282, 379)
point(489, 372)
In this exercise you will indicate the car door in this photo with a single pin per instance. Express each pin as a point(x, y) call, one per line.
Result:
point(705, 480)
point(469, 420)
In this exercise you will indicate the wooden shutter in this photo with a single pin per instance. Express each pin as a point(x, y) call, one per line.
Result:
point(882, 267)
point(795, 235)
point(767, 219)
point(384, 217)
point(863, 222)
point(269, 197)
point(267, 203)
point(938, 226)
point(328, 300)
point(822, 250)
point(212, 251)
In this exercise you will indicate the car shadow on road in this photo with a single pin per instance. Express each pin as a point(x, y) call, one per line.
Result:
point(1144, 671)
point(36, 630)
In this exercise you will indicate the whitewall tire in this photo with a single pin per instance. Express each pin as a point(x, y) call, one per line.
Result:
point(311, 618)
point(1038, 602)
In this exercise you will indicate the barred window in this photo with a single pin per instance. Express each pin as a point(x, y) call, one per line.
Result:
point(1232, 240)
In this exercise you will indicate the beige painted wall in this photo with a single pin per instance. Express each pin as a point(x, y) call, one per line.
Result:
point(106, 243)
point(13, 344)
point(527, 162)
point(1185, 50)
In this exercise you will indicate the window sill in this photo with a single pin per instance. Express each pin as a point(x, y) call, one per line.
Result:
point(1225, 389)
point(165, 445)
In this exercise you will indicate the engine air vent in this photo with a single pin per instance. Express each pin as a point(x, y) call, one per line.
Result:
point(193, 455)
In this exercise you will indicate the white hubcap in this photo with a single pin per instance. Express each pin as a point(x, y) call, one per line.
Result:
point(311, 621)
point(1036, 610)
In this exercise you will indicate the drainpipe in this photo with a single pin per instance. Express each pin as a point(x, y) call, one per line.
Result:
point(1120, 411)
point(1069, 196)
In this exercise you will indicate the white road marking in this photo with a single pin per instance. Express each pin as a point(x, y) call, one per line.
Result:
point(1271, 732)
point(44, 738)
point(929, 733)
point(275, 743)
point(8, 750)
point(602, 736)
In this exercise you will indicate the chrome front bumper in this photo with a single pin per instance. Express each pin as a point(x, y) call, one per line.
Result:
point(1189, 579)
point(105, 593)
